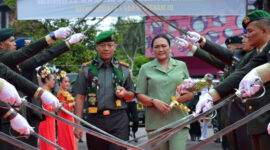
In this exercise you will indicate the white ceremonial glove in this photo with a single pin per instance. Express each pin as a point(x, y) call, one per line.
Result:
point(75, 38)
point(19, 124)
point(9, 94)
point(62, 33)
point(182, 42)
point(205, 103)
point(248, 85)
point(193, 36)
point(268, 128)
point(49, 99)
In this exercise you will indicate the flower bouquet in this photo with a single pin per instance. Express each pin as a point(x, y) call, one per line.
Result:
point(191, 85)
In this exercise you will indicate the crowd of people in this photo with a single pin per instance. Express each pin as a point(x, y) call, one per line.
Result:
point(104, 86)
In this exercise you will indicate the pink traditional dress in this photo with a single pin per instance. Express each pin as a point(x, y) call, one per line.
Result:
point(47, 129)
point(66, 138)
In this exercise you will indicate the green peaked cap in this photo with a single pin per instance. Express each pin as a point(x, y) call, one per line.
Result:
point(6, 33)
point(255, 15)
point(106, 36)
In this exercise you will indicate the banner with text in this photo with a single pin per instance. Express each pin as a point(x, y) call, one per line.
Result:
point(214, 28)
point(54, 9)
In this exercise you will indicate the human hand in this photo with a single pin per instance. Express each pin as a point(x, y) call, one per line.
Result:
point(75, 38)
point(249, 84)
point(9, 94)
point(19, 124)
point(120, 92)
point(205, 103)
point(49, 99)
point(62, 32)
point(78, 133)
point(193, 36)
point(182, 42)
point(162, 106)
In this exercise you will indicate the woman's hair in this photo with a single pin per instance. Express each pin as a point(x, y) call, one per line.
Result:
point(161, 36)
point(44, 73)
point(60, 76)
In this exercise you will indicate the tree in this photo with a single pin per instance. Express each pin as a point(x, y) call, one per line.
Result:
point(131, 34)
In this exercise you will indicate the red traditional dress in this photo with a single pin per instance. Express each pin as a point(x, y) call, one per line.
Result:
point(66, 138)
point(47, 129)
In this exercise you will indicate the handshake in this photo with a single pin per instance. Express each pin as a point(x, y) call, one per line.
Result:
point(64, 32)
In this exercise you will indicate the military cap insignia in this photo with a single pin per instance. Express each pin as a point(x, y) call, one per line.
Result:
point(124, 64)
point(27, 42)
point(246, 20)
point(112, 37)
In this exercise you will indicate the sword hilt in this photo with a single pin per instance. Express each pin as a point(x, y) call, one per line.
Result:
point(239, 93)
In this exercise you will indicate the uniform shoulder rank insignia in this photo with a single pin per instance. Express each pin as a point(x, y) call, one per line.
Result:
point(124, 64)
point(85, 64)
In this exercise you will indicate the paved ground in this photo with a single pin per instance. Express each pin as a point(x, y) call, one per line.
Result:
point(141, 131)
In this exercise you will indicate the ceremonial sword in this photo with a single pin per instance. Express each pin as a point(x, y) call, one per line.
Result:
point(104, 17)
point(87, 130)
point(86, 123)
point(237, 94)
point(16, 142)
point(183, 123)
point(164, 20)
point(233, 126)
point(32, 132)
point(73, 26)
point(155, 21)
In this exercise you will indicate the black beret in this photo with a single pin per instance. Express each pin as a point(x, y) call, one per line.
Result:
point(234, 40)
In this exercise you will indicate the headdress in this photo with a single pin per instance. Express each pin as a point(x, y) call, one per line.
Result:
point(61, 74)
point(45, 72)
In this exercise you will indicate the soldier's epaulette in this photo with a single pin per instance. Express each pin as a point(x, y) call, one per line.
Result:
point(85, 64)
point(124, 63)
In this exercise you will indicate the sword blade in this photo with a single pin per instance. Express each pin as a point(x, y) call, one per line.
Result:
point(168, 135)
point(180, 121)
point(46, 140)
point(87, 130)
point(79, 21)
point(104, 17)
point(164, 20)
point(16, 142)
point(87, 123)
point(231, 127)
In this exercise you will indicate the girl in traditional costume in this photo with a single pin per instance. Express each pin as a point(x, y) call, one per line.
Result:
point(66, 138)
point(47, 127)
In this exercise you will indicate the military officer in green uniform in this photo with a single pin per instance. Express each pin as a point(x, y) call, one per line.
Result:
point(257, 23)
point(106, 85)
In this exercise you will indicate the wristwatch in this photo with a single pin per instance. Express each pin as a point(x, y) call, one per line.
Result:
point(52, 35)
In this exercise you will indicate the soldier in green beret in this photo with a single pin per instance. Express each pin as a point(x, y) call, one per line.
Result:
point(106, 84)
point(257, 24)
